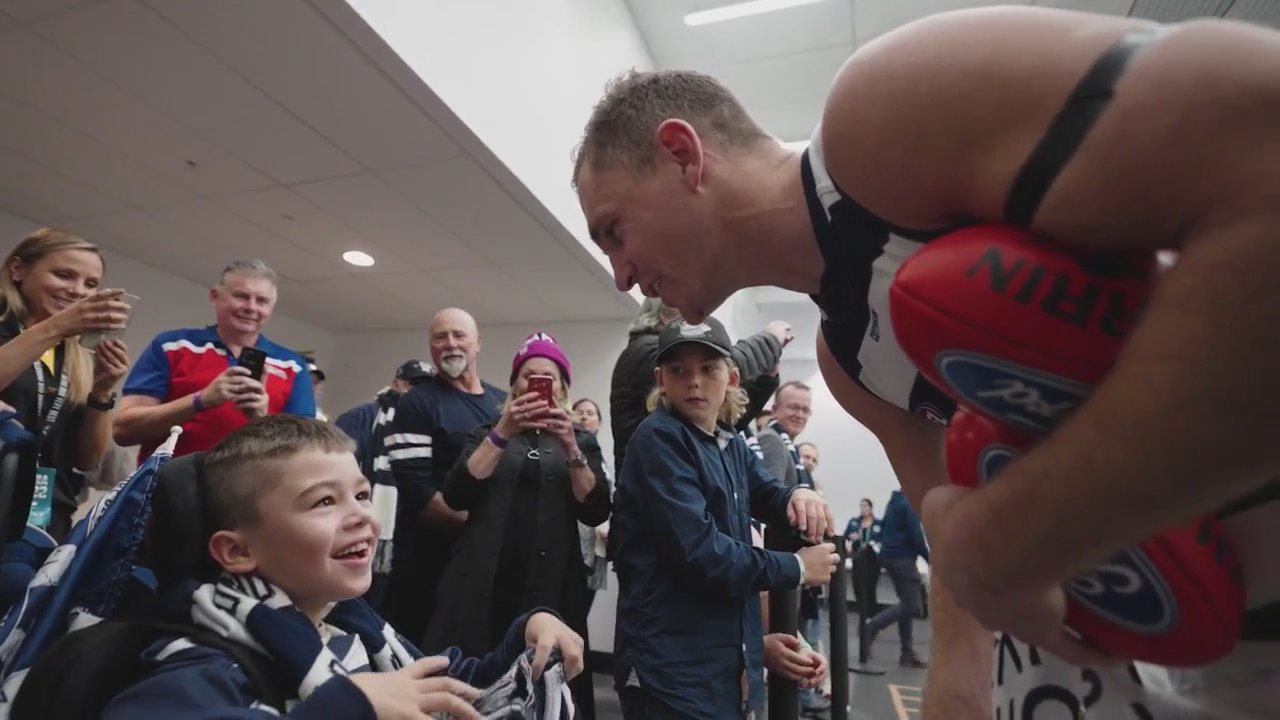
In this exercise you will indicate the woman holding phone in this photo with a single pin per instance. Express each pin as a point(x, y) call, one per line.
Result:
point(61, 391)
point(526, 481)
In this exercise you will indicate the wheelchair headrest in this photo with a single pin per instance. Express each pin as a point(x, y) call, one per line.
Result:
point(179, 530)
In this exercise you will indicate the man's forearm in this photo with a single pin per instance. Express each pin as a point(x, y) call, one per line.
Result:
point(958, 684)
point(1183, 424)
point(140, 424)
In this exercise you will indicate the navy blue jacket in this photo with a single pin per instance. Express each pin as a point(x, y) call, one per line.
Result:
point(688, 620)
point(202, 683)
point(900, 533)
point(357, 423)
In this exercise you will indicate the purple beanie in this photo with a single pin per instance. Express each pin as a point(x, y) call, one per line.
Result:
point(541, 345)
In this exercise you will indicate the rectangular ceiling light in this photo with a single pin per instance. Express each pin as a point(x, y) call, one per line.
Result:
point(797, 145)
point(742, 9)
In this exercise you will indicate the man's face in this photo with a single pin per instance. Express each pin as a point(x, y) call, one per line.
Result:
point(454, 343)
point(792, 409)
point(243, 303)
point(659, 232)
point(809, 457)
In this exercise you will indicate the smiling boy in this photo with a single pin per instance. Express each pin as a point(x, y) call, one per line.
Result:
point(293, 535)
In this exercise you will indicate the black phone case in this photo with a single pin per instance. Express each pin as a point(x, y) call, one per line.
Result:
point(254, 360)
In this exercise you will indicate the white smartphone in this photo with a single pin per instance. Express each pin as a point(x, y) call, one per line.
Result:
point(91, 339)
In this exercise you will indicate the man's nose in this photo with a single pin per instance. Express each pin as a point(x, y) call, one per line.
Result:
point(623, 275)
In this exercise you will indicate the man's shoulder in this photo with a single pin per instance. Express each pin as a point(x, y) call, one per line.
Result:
point(282, 355)
point(191, 338)
point(494, 390)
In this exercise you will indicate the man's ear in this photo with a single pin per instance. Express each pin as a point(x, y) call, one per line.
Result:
point(213, 294)
point(679, 142)
point(231, 550)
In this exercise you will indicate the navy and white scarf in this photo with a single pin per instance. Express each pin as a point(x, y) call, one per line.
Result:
point(253, 612)
point(802, 476)
point(385, 492)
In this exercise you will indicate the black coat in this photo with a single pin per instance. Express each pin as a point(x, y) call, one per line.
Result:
point(556, 575)
point(632, 382)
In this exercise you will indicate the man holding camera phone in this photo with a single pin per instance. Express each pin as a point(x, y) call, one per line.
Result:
point(215, 379)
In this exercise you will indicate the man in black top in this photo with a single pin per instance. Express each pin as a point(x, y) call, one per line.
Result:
point(432, 420)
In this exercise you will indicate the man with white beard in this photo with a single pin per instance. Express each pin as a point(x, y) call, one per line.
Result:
point(431, 421)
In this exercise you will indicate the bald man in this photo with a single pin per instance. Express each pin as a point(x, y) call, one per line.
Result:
point(422, 445)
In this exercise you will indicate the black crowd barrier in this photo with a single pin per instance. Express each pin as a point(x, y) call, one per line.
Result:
point(784, 617)
point(838, 643)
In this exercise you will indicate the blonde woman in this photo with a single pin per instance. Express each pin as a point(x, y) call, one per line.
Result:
point(51, 289)
point(526, 481)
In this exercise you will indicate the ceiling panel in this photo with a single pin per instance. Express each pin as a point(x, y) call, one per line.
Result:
point(1265, 12)
point(142, 53)
point(206, 222)
point(1101, 7)
point(497, 226)
point(112, 174)
point(295, 55)
point(380, 213)
point(31, 189)
point(35, 9)
point(674, 44)
point(1176, 10)
point(294, 218)
point(37, 74)
point(419, 294)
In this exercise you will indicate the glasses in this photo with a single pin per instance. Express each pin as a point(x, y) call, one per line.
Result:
point(800, 409)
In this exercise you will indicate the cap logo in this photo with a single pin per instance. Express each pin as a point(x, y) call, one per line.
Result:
point(694, 330)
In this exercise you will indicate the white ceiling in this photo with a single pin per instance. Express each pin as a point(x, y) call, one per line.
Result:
point(185, 133)
point(780, 64)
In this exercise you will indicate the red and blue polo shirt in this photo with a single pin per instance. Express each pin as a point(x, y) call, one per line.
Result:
point(178, 363)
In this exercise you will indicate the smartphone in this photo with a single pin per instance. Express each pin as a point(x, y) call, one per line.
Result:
point(90, 340)
point(254, 360)
point(544, 386)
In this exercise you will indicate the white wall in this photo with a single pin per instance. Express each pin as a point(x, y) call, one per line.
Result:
point(522, 75)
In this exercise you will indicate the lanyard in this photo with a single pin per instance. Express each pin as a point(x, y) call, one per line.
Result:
point(47, 419)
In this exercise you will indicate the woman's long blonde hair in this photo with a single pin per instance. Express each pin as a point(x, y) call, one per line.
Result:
point(77, 361)
point(734, 407)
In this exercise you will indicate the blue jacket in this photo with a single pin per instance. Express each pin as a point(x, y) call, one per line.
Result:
point(688, 619)
point(357, 423)
point(201, 683)
point(901, 535)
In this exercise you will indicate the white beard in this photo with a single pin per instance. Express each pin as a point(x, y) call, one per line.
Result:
point(453, 366)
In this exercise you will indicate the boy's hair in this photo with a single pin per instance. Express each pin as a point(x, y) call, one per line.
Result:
point(734, 407)
point(247, 463)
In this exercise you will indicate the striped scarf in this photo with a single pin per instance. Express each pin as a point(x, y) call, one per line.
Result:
point(385, 491)
point(253, 612)
point(802, 475)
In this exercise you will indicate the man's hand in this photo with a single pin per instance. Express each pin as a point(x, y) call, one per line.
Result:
point(781, 331)
point(233, 381)
point(544, 632)
point(411, 693)
point(788, 656)
point(819, 563)
point(810, 514)
point(1033, 614)
point(252, 400)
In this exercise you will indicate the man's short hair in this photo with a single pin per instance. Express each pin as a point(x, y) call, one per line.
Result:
point(252, 267)
point(247, 463)
point(794, 385)
point(805, 444)
point(622, 125)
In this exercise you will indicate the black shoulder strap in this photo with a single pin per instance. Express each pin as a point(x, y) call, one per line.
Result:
point(1070, 127)
point(85, 669)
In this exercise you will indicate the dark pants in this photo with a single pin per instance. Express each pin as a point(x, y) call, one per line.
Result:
point(640, 705)
point(906, 583)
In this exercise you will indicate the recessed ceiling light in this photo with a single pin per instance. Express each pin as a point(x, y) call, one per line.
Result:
point(742, 9)
point(358, 258)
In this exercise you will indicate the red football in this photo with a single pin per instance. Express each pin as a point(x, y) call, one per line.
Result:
point(1013, 327)
point(1176, 599)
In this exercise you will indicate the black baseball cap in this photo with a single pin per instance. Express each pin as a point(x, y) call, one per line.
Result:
point(710, 333)
point(413, 370)
point(315, 370)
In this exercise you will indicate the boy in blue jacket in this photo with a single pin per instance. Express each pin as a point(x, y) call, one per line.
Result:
point(294, 535)
point(689, 640)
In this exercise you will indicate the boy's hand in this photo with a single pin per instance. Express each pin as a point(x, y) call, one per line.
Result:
point(819, 563)
point(544, 631)
point(411, 693)
point(792, 658)
point(810, 514)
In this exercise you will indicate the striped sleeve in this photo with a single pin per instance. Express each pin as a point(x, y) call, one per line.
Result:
point(408, 446)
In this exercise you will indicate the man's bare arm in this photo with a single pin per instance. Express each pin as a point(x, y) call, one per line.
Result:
point(143, 419)
point(1183, 157)
point(958, 684)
